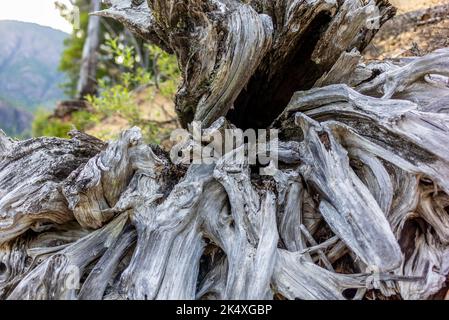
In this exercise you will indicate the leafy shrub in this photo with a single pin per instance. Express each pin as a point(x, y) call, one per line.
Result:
point(118, 99)
point(46, 125)
point(116, 95)
point(43, 125)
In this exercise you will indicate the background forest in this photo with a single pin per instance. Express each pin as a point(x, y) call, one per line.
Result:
point(130, 83)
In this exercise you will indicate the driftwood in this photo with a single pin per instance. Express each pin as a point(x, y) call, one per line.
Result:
point(357, 204)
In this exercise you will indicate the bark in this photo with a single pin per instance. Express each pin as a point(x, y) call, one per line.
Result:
point(87, 82)
point(359, 199)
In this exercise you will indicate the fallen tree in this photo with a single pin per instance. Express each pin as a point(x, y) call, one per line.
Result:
point(357, 206)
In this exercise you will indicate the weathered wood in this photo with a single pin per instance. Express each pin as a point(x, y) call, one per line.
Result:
point(392, 82)
point(347, 205)
point(31, 176)
point(358, 200)
point(59, 275)
point(228, 50)
point(94, 187)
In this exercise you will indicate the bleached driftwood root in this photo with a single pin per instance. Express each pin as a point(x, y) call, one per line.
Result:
point(356, 208)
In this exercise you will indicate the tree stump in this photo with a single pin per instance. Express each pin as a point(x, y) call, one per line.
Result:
point(358, 201)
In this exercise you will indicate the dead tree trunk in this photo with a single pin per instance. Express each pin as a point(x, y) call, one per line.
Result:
point(359, 199)
point(89, 62)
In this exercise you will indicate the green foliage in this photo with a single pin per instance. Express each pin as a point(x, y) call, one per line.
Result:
point(46, 125)
point(162, 69)
point(117, 99)
point(165, 70)
point(122, 59)
point(83, 120)
point(43, 125)
point(70, 61)
point(123, 55)
point(116, 88)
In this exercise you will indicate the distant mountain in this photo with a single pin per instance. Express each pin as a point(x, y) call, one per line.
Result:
point(29, 76)
point(14, 121)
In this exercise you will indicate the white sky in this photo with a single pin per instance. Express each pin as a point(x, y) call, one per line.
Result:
point(42, 12)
